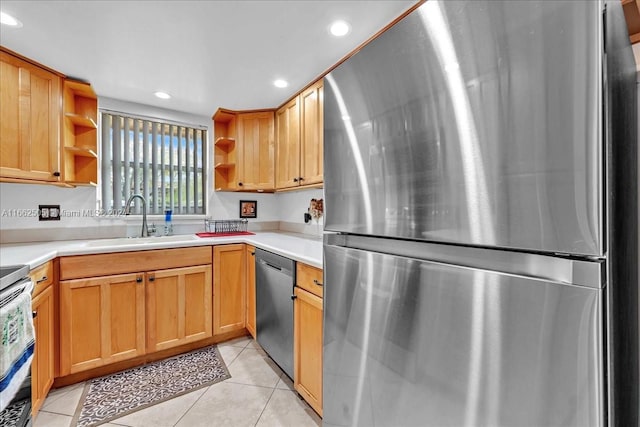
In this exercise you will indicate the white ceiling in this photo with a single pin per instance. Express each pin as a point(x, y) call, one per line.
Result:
point(206, 54)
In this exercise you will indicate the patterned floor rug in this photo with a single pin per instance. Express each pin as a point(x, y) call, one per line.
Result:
point(125, 392)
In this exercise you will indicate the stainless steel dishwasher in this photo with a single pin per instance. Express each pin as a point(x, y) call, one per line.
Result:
point(275, 277)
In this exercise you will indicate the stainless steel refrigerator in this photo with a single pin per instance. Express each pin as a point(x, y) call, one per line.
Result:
point(480, 184)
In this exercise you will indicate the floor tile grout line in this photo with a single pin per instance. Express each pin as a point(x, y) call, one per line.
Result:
point(233, 360)
point(265, 407)
point(228, 380)
point(55, 413)
point(204, 391)
point(196, 401)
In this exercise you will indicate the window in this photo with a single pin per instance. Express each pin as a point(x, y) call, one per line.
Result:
point(163, 162)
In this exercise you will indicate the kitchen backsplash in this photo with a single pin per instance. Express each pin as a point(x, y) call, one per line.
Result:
point(19, 220)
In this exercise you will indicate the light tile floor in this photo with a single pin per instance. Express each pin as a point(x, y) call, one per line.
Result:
point(257, 394)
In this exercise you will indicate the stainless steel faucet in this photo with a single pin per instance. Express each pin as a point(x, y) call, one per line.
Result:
point(145, 230)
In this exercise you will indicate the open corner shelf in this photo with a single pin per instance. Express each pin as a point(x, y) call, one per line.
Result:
point(82, 121)
point(220, 166)
point(82, 184)
point(224, 142)
point(82, 152)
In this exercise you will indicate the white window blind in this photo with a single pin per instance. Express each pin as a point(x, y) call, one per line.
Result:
point(163, 162)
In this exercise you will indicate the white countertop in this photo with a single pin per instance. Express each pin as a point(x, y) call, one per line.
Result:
point(299, 247)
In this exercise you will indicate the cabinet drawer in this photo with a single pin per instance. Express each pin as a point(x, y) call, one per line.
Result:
point(309, 278)
point(79, 266)
point(42, 277)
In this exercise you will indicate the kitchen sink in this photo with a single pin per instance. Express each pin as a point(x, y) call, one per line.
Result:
point(126, 241)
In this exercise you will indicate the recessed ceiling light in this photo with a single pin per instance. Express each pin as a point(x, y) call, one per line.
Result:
point(280, 83)
point(9, 20)
point(340, 28)
point(162, 95)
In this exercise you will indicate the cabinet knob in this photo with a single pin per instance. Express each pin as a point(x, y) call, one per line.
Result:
point(316, 282)
point(152, 278)
point(139, 279)
point(295, 179)
point(34, 314)
point(293, 297)
point(56, 173)
point(253, 253)
point(301, 179)
point(239, 184)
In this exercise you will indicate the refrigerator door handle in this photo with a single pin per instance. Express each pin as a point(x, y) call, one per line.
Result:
point(564, 270)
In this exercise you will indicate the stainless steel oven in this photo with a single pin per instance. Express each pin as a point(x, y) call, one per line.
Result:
point(14, 282)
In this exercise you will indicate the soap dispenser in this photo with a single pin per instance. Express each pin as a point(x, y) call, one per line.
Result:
point(168, 227)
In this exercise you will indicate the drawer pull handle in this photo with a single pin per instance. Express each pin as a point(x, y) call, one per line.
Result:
point(316, 282)
point(42, 280)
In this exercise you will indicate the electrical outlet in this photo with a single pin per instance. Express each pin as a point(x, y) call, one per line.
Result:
point(48, 212)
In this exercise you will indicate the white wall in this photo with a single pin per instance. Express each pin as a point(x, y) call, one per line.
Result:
point(294, 204)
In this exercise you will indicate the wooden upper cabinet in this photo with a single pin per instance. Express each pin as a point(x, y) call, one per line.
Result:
point(30, 116)
point(256, 151)
point(311, 114)
point(299, 138)
point(246, 157)
point(288, 145)
point(244, 150)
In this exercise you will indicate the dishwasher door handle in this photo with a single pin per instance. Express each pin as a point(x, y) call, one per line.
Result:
point(263, 262)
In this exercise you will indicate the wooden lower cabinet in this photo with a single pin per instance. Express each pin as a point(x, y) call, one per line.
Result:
point(102, 321)
point(229, 288)
point(307, 347)
point(178, 306)
point(251, 290)
point(42, 367)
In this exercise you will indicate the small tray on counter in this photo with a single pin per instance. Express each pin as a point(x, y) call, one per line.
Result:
point(224, 234)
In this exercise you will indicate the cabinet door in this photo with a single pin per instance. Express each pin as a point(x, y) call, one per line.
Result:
point(257, 152)
point(43, 357)
point(101, 321)
point(30, 116)
point(311, 105)
point(178, 306)
point(288, 145)
point(229, 272)
point(307, 347)
point(250, 257)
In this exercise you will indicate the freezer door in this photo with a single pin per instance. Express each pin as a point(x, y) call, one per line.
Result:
point(410, 342)
point(475, 122)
